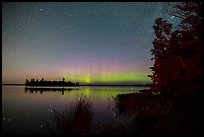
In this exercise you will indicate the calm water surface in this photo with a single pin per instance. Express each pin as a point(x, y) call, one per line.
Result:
point(31, 112)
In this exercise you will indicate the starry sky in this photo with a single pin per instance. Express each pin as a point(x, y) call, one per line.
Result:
point(87, 42)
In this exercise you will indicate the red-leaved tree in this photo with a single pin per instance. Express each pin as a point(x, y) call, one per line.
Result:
point(177, 54)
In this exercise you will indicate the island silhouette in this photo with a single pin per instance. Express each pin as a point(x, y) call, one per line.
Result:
point(43, 82)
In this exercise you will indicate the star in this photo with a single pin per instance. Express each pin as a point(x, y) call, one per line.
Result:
point(84, 32)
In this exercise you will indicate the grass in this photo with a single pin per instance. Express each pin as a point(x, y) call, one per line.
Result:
point(76, 120)
point(149, 114)
point(162, 114)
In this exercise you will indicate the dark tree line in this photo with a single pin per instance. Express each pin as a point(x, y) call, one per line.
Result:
point(177, 106)
point(43, 82)
point(177, 54)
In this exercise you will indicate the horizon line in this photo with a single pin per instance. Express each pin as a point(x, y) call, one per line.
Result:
point(146, 84)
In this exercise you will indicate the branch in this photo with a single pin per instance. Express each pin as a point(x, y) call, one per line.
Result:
point(179, 17)
point(171, 5)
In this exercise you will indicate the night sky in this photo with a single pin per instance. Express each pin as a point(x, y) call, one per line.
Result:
point(83, 42)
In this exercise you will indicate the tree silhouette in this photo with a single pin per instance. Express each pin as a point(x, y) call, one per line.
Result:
point(160, 51)
point(177, 54)
point(27, 81)
point(43, 82)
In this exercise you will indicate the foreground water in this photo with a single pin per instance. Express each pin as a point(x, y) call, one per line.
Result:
point(32, 111)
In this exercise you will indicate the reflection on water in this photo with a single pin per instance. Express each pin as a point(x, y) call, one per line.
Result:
point(77, 119)
point(24, 113)
point(44, 89)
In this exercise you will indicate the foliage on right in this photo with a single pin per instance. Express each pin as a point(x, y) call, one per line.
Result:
point(177, 65)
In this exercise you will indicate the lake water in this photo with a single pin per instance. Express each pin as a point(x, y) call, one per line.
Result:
point(31, 112)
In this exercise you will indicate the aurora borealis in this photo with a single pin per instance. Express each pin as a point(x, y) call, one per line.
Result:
point(83, 42)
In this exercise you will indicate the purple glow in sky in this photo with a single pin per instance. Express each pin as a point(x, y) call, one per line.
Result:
point(85, 42)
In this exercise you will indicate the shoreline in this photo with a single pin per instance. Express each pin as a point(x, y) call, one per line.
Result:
point(138, 85)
